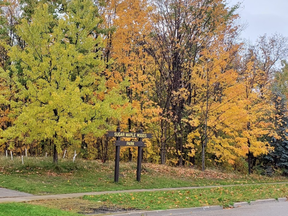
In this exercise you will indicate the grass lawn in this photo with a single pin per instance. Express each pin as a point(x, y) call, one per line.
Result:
point(192, 198)
point(40, 176)
point(22, 209)
point(161, 200)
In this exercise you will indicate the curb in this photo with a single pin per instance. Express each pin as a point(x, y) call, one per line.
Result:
point(198, 209)
point(262, 201)
point(171, 211)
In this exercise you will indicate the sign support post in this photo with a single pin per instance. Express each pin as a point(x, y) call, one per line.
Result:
point(117, 159)
point(139, 160)
point(140, 144)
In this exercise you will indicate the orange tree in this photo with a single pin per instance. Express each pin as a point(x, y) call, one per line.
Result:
point(129, 25)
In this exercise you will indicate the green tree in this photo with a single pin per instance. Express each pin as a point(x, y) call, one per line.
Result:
point(62, 93)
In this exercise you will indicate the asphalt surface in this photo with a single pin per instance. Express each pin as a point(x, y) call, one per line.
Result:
point(6, 193)
point(267, 209)
point(257, 208)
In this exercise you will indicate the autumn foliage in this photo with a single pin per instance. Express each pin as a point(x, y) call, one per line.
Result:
point(71, 70)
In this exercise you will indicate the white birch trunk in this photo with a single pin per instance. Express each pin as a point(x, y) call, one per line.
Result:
point(64, 153)
point(74, 157)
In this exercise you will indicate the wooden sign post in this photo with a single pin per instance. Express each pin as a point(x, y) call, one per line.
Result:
point(140, 144)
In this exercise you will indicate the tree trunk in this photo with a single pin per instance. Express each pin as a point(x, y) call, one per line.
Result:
point(130, 154)
point(179, 146)
point(249, 153)
point(249, 163)
point(163, 140)
point(105, 155)
point(55, 155)
point(163, 154)
point(180, 140)
point(203, 156)
point(163, 151)
point(192, 160)
point(130, 125)
point(204, 144)
point(98, 146)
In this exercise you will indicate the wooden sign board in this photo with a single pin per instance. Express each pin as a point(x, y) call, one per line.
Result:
point(129, 134)
point(129, 143)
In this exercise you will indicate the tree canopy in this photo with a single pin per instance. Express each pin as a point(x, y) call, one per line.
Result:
point(71, 70)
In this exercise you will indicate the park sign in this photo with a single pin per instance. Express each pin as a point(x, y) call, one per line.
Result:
point(129, 135)
point(132, 143)
point(129, 143)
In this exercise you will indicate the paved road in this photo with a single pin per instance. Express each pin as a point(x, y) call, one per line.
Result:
point(260, 209)
point(267, 209)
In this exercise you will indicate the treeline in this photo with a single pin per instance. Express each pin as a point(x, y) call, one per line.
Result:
point(73, 69)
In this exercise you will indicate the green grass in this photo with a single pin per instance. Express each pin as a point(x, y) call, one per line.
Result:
point(22, 209)
point(225, 197)
point(40, 176)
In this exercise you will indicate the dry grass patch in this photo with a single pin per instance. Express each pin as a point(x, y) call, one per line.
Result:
point(74, 205)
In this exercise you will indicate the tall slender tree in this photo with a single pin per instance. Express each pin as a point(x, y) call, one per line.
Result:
point(181, 32)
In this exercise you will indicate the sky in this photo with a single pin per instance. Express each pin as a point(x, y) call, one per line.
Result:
point(261, 17)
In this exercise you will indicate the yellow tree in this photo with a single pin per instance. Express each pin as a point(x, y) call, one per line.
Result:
point(258, 69)
point(215, 90)
point(258, 111)
point(10, 15)
point(63, 93)
point(182, 32)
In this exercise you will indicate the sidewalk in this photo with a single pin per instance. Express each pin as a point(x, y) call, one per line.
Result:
point(7, 195)
point(29, 197)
